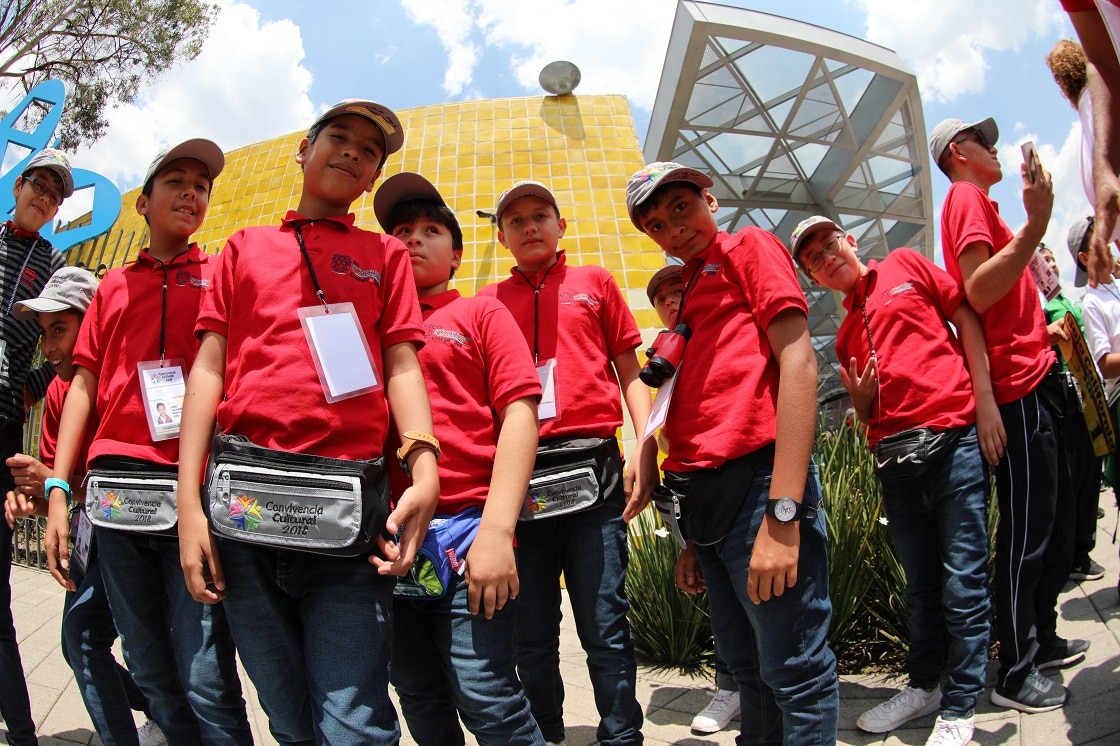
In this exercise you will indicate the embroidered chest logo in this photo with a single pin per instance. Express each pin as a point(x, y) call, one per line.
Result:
point(568, 298)
point(183, 278)
point(447, 336)
point(712, 269)
point(27, 279)
point(343, 265)
point(888, 295)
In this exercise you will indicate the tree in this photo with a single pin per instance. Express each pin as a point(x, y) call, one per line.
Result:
point(101, 49)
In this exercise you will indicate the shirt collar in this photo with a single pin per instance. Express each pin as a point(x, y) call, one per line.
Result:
point(193, 255)
point(561, 260)
point(864, 284)
point(293, 218)
point(435, 302)
point(19, 232)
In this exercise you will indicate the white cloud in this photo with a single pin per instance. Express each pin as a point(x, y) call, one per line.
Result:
point(948, 42)
point(248, 84)
point(452, 21)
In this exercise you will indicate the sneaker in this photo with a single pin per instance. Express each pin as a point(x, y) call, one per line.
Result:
point(903, 707)
point(1036, 694)
point(150, 734)
point(1086, 569)
point(952, 732)
point(720, 711)
point(1060, 653)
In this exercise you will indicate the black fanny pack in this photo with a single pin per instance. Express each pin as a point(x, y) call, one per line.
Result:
point(702, 505)
point(295, 500)
point(571, 475)
point(130, 494)
point(913, 453)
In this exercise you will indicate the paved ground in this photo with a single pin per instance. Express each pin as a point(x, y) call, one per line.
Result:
point(1090, 610)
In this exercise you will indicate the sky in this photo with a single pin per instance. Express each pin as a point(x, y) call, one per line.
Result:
point(268, 68)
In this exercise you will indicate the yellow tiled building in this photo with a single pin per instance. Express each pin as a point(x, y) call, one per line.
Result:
point(583, 147)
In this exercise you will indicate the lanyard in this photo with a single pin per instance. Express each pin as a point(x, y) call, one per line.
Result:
point(862, 305)
point(298, 227)
point(536, 310)
point(15, 280)
point(166, 266)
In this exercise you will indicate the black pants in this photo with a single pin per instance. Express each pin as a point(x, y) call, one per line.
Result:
point(1085, 470)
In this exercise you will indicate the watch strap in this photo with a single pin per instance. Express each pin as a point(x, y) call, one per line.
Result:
point(51, 482)
point(414, 439)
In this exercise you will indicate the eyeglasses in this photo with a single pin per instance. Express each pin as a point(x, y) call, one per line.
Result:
point(831, 248)
point(978, 136)
point(44, 191)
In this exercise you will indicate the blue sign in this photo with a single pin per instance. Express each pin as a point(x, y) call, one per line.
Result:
point(106, 197)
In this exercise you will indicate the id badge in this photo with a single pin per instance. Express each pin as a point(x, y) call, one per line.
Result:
point(83, 540)
point(339, 348)
point(546, 371)
point(163, 385)
point(660, 407)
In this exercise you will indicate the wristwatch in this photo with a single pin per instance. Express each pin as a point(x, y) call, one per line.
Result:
point(787, 510)
point(414, 439)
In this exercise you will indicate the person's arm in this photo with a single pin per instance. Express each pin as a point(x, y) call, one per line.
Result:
point(197, 549)
point(408, 402)
point(690, 578)
point(81, 402)
point(862, 387)
point(491, 567)
point(988, 274)
point(989, 423)
point(641, 468)
point(773, 566)
point(35, 385)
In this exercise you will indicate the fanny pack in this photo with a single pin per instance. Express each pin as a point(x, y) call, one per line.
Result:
point(571, 475)
point(129, 494)
point(440, 557)
point(913, 453)
point(702, 505)
point(295, 500)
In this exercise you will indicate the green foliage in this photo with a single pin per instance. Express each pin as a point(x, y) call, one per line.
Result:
point(670, 627)
point(101, 49)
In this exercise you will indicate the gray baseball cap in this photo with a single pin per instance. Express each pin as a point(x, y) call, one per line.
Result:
point(205, 151)
point(68, 289)
point(382, 116)
point(944, 133)
point(643, 183)
point(523, 189)
point(56, 161)
point(804, 228)
point(1077, 241)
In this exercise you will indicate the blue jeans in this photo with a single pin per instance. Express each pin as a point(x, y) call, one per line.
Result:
point(15, 704)
point(778, 649)
point(940, 524)
point(88, 634)
point(449, 664)
point(191, 684)
point(315, 635)
point(590, 548)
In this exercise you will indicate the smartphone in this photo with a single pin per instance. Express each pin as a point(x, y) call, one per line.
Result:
point(1030, 157)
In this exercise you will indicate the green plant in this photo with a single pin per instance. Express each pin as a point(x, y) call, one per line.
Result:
point(670, 627)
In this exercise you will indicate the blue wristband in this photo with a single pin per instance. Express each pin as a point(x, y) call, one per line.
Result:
point(51, 482)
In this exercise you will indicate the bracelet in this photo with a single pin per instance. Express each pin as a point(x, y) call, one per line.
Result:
point(51, 482)
point(414, 440)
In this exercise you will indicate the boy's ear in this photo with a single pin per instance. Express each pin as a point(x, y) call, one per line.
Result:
point(301, 152)
point(710, 198)
point(563, 225)
point(502, 239)
point(16, 186)
point(456, 258)
point(141, 204)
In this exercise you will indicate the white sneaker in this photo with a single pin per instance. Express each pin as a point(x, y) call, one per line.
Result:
point(720, 711)
point(150, 734)
point(903, 707)
point(951, 732)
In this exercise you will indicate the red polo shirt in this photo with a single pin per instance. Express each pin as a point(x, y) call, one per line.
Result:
point(272, 393)
point(475, 364)
point(122, 328)
point(1015, 326)
point(923, 381)
point(725, 399)
point(52, 416)
point(584, 323)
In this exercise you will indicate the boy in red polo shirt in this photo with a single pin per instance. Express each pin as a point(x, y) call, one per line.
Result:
point(1034, 539)
point(139, 328)
point(313, 630)
point(484, 391)
point(905, 370)
point(583, 338)
point(764, 564)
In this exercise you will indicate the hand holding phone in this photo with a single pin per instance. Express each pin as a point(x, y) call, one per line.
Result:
point(1030, 157)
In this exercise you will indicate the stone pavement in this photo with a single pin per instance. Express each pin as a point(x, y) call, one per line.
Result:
point(1090, 610)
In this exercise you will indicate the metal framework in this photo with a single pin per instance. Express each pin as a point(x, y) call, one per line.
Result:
point(793, 120)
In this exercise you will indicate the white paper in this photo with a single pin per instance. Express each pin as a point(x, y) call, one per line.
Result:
point(342, 353)
point(546, 371)
point(660, 407)
point(83, 540)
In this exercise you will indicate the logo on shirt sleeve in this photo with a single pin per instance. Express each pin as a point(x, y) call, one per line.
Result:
point(342, 264)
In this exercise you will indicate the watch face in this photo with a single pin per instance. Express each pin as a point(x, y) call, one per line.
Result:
point(785, 510)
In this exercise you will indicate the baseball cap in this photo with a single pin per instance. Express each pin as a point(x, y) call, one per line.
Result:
point(70, 288)
point(382, 116)
point(666, 273)
point(399, 188)
point(56, 161)
point(523, 189)
point(1076, 241)
point(643, 183)
point(944, 133)
point(804, 228)
point(202, 150)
